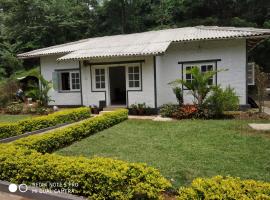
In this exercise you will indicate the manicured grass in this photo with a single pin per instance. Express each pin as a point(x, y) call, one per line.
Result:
point(184, 150)
point(12, 118)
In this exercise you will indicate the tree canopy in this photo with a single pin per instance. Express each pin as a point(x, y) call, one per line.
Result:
point(30, 24)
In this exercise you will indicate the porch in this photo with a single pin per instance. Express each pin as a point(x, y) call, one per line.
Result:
point(119, 82)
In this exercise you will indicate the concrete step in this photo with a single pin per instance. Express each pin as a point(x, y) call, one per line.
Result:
point(112, 108)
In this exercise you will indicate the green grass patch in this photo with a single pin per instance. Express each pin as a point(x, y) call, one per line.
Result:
point(12, 118)
point(183, 150)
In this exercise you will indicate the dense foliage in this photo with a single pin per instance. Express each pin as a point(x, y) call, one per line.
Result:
point(60, 138)
point(225, 188)
point(37, 123)
point(32, 24)
point(27, 160)
point(222, 100)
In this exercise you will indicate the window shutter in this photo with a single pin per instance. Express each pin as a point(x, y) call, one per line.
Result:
point(55, 80)
point(251, 74)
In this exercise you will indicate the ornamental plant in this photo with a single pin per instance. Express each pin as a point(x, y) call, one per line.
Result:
point(199, 86)
point(225, 188)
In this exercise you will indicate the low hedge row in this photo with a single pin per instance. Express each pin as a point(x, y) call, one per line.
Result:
point(97, 178)
point(60, 138)
point(27, 161)
point(225, 188)
point(36, 123)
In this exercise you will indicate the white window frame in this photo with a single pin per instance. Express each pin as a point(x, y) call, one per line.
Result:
point(199, 65)
point(94, 75)
point(134, 80)
point(252, 66)
point(70, 80)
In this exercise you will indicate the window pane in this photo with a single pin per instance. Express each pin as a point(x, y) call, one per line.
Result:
point(136, 77)
point(130, 70)
point(131, 84)
point(98, 78)
point(102, 85)
point(97, 85)
point(102, 71)
point(137, 84)
point(136, 69)
point(210, 67)
point(130, 77)
point(102, 78)
point(203, 68)
point(188, 76)
point(97, 71)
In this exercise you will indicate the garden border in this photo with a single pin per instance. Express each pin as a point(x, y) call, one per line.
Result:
point(41, 196)
point(16, 137)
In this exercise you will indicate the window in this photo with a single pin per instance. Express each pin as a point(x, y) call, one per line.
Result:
point(207, 68)
point(100, 78)
point(189, 77)
point(203, 67)
point(251, 74)
point(75, 80)
point(134, 77)
point(68, 81)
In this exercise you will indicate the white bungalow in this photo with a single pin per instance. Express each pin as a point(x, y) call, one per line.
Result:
point(136, 68)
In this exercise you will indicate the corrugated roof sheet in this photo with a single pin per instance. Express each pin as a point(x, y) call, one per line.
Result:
point(147, 43)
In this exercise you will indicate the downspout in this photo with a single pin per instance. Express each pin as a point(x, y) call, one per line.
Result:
point(80, 67)
point(155, 82)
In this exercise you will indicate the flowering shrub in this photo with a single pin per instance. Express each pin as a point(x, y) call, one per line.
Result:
point(179, 112)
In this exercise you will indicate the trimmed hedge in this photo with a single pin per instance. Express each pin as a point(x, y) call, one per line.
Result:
point(97, 178)
point(37, 123)
point(225, 188)
point(60, 138)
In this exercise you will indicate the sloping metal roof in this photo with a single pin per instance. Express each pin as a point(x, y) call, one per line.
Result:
point(146, 43)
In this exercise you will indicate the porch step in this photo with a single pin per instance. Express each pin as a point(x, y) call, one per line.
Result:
point(112, 108)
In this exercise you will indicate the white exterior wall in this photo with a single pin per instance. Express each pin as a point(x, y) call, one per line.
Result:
point(231, 52)
point(144, 96)
point(48, 66)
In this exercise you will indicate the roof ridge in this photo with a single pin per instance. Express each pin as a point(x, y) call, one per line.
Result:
point(232, 28)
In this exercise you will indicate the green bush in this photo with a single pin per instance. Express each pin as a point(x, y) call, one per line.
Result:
point(14, 108)
point(28, 125)
point(222, 100)
point(97, 178)
point(57, 139)
point(9, 129)
point(169, 110)
point(225, 188)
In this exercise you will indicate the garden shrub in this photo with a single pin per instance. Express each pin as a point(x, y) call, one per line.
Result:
point(222, 100)
point(141, 109)
point(14, 108)
point(9, 129)
point(168, 110)
point(23, 161)
point(225, 188)
point(32, 124)
point(57, 139)
point(178, 112)
point(96, 178)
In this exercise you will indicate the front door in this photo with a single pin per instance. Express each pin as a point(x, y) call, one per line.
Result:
point(117, 76)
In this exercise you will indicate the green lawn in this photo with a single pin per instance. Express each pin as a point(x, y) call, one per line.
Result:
point(12, 118)
point(184, 150)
